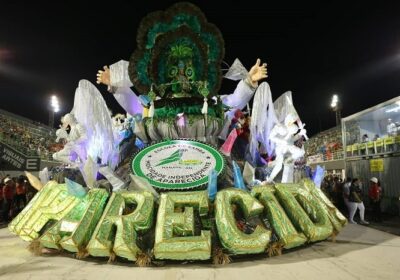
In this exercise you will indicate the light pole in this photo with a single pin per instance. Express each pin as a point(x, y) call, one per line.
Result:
point(54, 108)
point(336, 107)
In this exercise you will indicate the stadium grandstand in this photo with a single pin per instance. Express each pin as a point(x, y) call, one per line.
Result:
point(326, 145)
point(27, 137)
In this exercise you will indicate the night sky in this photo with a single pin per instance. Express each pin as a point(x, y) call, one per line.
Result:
point(313, 50)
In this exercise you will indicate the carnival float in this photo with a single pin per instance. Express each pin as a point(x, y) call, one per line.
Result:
point(186, 174)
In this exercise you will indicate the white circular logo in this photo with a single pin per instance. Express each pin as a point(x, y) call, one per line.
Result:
point(177, 164)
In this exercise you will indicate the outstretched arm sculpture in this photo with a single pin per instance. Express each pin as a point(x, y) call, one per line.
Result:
point(241, 96)
point(117, 80)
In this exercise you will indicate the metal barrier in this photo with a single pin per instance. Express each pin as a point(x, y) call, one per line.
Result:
point(327, 156)
point(385, 145)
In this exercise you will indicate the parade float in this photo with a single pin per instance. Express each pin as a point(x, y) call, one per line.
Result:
point(185, 174)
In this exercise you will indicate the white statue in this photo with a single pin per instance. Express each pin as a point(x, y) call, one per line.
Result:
point(90, 142)
point(74, 148)
point(61, 133)
point(284, 136)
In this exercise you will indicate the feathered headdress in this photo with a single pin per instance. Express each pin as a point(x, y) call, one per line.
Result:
point(177, 51)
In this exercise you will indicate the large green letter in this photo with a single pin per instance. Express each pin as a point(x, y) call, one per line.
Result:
point(51, 203)
point(175, 231)
point(284, 229)
point(73, 231)
point(122, 241)
point(305, 212)
point(230, 236)
point(334, 215)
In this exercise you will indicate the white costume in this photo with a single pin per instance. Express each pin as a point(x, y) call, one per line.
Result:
point(90, 140)
point(73, 149)
point(284, 136)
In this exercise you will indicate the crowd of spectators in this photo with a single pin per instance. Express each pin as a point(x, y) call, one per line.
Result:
point(15, 193)
point(327, 143)
point(349, 196)
point(28, 137)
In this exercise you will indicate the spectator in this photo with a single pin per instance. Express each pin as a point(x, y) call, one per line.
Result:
point(1, 194)
point(8, 195)
point(346, 193)
point(20, 197)
point(355, 202)
point(325, 187)
point(335, 191)
point(30, 191)
point(338, 192)
point(365, 138)
point(375, 196)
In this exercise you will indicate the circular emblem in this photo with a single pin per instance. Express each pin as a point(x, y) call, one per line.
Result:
point(177, 164)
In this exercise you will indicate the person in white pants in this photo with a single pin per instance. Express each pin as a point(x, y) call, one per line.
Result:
point(355, 202)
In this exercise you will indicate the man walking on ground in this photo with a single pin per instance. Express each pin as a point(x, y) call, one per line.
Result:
point(355, 201)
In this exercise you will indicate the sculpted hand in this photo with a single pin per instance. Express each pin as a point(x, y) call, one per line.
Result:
point(103, 77)
point(257, 72)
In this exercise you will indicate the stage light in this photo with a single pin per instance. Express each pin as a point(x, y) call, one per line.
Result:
point(54, 108)
point(335, 105)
